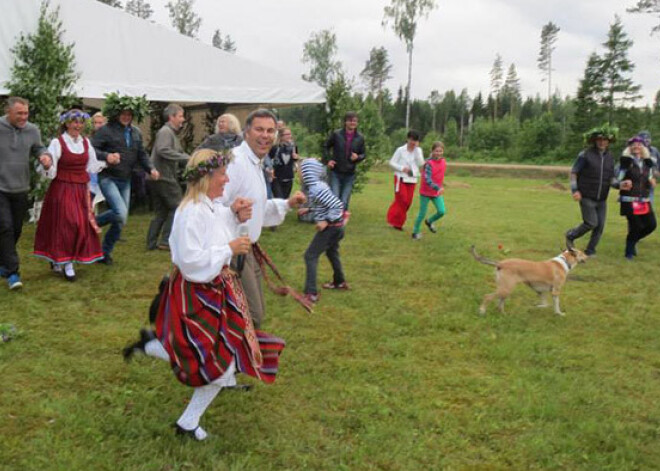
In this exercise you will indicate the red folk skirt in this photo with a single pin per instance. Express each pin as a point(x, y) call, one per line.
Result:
point(204, 326)
point(67, 230)
point(403, 198)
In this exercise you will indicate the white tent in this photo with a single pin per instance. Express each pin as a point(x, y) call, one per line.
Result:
point(116, 51)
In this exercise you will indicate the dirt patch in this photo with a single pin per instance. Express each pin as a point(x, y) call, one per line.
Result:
point(554, 186)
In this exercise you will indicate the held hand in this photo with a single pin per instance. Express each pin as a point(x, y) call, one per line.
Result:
point(240, 245)
point(297, 199)
point(294, 156)
point(321, 226)
point(302, 211)
point(577, 196)
point(406, 169)
point(243, 208)
point(626, 185)
point(46, 161)
point(155, 174)
point(331, 164)
point(354, 156)
point(113, 159)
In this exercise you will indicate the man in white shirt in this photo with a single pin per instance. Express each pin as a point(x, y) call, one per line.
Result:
point(246, 179)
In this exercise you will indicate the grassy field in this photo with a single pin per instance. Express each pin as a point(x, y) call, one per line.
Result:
point(398, 374)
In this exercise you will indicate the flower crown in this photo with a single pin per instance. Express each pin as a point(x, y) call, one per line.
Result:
point(73, 115)
point(219, 159)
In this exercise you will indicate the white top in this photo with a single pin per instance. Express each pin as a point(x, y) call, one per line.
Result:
point(76, 146)
point(200, 238)
point(246, 179)
point(413, 160)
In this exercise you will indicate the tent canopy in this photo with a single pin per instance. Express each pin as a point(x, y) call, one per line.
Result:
point(116, 51)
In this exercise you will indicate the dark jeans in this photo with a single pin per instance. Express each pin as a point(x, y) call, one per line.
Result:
point(117, 194)
point(282, 189)
point(13, 209)
point(638, 228)
point(166, 197)
point(325, 241)
point(594, 214)
point(341, 185)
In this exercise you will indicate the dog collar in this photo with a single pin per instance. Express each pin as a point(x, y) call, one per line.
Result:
point(563, 262)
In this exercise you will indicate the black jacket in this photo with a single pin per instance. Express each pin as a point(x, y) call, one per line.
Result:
point(337, 141)
point(110, 139)
point(595, 172)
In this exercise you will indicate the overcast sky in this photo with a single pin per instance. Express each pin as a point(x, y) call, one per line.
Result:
point(455, 46)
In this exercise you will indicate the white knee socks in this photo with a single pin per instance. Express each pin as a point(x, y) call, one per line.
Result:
point(201, 400)
point(154, 348)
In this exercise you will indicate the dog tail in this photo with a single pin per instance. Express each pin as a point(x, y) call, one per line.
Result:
point(481, 259)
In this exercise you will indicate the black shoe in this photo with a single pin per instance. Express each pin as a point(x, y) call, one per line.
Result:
point(569, 242)
point(138, 347)
point(107, 260)
point(430, 226)
point(192, 434)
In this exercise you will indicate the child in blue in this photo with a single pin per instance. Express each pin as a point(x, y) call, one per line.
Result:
point(329, 215)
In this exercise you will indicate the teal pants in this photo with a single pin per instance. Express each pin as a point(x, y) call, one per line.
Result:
point(438, 202)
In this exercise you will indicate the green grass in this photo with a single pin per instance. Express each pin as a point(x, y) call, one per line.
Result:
point(399, 374)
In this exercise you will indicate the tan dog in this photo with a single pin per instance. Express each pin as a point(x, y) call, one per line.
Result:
point(549, 275)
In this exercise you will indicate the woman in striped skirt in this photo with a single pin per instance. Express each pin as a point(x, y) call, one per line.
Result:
point(203, 325)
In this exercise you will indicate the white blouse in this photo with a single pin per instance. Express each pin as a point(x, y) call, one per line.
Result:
point(403, 158)
point(76, 146)
point(200, 238)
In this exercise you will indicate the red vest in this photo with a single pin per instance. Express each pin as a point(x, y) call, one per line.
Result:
point(437, 175)
point(72, 167)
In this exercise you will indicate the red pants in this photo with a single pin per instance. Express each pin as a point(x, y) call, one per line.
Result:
point(396, 215)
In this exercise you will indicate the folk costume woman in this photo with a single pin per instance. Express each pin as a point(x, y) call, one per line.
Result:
point(203, 325)
point(636, 177)
point(406, 162)
point(67, 232)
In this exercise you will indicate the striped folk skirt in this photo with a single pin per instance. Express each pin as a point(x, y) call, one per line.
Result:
point(204, 326)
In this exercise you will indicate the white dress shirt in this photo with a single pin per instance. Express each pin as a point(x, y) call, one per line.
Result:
point(403, 158)
point(76, 146)
point(200, 238)
point(246, 179)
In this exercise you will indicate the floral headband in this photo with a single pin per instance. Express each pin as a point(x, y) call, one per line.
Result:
point(73, 115)
point(219, 159)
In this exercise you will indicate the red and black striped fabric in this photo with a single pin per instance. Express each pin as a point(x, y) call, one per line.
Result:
point(203, 326)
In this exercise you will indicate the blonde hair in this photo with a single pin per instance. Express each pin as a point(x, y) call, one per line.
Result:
point(197, 188)
point(437, 144)
point(232, 122)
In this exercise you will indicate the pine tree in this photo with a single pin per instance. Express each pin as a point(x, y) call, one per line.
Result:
point(229, 45)
point(183, 17)
point(139, 8)
point(548, 39)
point(435, 98)
point(112, 3)
point(376, 72)
point(44, 72)
point(647, 6)
point(319, 51)
point(226, 43)
point(496, 74)
point(510, 95)
point(587, 112)
point(616, 68)
point(404, 16)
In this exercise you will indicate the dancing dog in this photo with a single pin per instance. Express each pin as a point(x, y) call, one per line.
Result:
point(542, 277)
